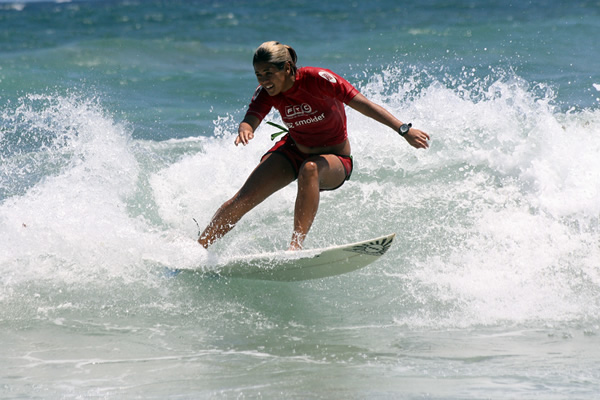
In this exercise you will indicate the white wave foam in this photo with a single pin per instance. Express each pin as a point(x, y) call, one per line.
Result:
point(82, 223)
point(497, 221)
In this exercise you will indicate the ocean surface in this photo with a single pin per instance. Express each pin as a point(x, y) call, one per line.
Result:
point(117, 122)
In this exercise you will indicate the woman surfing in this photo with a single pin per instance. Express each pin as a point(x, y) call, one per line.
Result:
point(315, 151)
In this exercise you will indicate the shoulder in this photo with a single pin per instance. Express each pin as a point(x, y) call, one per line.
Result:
point(257, 92)
point(316, 73)
point(260, 95)
point(326, 82)
point(260, 105)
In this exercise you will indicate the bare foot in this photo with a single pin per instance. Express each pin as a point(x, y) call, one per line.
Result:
point(294, 247)
point(296, 243)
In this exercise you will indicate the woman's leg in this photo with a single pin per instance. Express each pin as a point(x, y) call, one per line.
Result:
point(273, 173)
point(318, 172)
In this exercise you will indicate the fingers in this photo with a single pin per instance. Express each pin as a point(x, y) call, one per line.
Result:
point(244, 137)
point(418, 139)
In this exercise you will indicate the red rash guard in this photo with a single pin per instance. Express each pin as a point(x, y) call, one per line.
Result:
point(313, 109)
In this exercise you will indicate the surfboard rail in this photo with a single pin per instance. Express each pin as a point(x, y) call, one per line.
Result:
point(289, 266)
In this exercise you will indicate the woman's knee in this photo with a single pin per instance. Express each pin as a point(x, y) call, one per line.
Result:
point(308, 171)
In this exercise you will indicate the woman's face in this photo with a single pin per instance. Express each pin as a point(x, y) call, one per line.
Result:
point(272, 79)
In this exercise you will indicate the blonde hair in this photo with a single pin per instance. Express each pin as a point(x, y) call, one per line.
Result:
point(277, 54)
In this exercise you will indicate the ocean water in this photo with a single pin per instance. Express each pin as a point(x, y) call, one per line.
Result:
point(117, 121)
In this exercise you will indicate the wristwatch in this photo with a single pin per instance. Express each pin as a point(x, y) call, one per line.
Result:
point(404, 128)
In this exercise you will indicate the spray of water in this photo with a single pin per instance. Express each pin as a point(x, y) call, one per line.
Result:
point(497, 221)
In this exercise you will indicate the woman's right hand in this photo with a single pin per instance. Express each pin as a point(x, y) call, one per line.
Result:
point(244, 136)
point(246, 130)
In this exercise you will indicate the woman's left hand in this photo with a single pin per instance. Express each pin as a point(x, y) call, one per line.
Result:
point(417, 138)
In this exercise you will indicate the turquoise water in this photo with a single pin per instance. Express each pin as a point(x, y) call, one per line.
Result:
point(117, 121)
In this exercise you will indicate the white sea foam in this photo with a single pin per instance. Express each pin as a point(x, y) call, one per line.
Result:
point(81, 221)
point(497, 221)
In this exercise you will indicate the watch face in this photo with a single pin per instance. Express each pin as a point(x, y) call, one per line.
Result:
point(404, 129)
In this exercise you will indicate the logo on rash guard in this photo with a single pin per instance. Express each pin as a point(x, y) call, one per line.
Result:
point(307, 121)
point(328, 76)
point(298, 110)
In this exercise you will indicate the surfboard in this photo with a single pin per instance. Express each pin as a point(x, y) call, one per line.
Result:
point(306, 264)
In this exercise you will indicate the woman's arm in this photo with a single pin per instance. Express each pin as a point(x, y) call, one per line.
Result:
point(246, 129)
point(414, 137)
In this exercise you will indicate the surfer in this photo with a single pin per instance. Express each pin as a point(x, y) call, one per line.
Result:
point(315, 150)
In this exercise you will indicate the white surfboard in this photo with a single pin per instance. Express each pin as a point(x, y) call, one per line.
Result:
point(306, 264)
